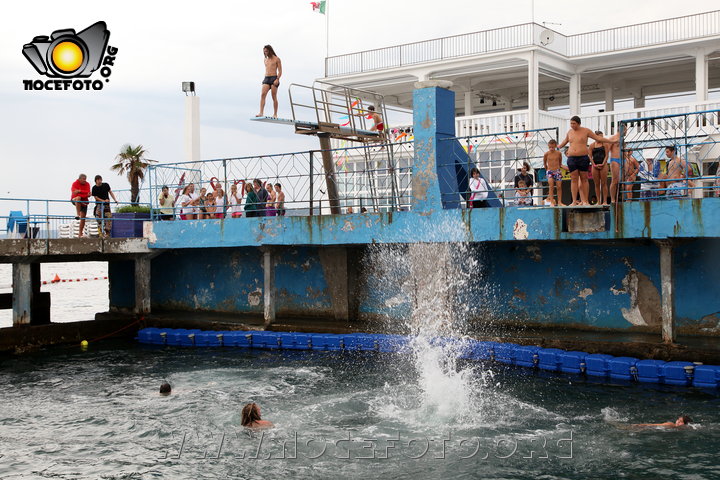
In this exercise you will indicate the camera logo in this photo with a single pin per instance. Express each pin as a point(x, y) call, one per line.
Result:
point(68, 55)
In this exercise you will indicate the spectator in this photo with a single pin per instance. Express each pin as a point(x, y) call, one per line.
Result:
point(600, 154)
point(675, 180)
point(279, 200)
point(631, 170)
point(349, 210)
point(252, 202)
point(234, 201)
point(524, 176)
point(270, 211)
point(262, 198)
point(166, 201)
point(478, 190)
point(648, 173)
point(220, 202)
point(210, 207)
point(522, 195)
point(363, 210)
point(189, 200)
point(202, 214)
point(102, 193)
point(80, 197)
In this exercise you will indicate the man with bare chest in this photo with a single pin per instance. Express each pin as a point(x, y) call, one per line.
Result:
point(271, 82)
point(578, 161)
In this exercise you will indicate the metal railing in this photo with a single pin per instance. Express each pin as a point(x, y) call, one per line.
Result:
point(372, 177)
point(649, 170)
point(50, 219)
point(528, 34)
point(499, 158)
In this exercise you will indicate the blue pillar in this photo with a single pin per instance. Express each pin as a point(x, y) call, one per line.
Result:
point(440, 168)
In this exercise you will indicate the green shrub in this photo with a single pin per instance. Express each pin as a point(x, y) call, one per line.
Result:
point(133, 209)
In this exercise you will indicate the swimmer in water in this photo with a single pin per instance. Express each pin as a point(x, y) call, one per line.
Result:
point(165, 389)
point(682, 421)
point(250, 417)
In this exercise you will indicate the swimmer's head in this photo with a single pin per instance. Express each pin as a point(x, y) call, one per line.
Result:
point(250, 414)
point(683, 420)
point(165, 389)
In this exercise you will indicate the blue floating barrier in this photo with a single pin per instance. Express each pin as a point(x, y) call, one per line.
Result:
point(327, 342)
point(286, 340)
point(596, 364)
point(505, 353)
point(549, 359)
point(295, 341)
point(265, 339)
point(203, 338)
point(177, 336)
point(678, 373)
point(188, 340)
point(393, 343)
point(622, 368)
point(145, 335)
point(572, 362)
point(238, 338)
point(706, 376)
point(650, 371)
point(527, 356)
point(354, 341)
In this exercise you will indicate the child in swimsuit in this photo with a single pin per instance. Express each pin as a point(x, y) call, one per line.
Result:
point(553, 162)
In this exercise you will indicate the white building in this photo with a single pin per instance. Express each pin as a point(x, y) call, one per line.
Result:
point(527, 76)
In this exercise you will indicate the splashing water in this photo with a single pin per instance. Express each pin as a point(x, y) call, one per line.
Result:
point(429, 281)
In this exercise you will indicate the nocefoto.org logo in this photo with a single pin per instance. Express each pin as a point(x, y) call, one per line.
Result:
point(68, 57)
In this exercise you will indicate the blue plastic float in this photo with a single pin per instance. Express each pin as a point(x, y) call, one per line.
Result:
point(624, 369)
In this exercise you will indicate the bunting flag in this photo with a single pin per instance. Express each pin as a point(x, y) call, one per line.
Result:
point(318, 7)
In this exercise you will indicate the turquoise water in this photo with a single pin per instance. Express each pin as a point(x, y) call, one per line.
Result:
point(71, 414)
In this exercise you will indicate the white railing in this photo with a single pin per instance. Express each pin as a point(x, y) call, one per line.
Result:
point(528, 34)
point(500, 122)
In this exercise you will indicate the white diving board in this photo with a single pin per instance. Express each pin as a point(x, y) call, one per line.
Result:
point(314, 125)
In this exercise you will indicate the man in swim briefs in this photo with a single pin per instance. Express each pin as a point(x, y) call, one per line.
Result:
point(578, 161)
point(271, 82)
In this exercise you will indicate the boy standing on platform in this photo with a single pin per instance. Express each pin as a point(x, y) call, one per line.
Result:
point(80, 197)
point(553, 162)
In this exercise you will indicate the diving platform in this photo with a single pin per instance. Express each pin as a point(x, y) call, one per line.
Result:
point(314, 128)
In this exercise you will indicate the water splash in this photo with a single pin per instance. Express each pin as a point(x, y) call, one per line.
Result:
point(430, 283)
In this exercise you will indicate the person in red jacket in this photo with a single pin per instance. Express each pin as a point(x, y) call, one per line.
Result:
point(80, 198)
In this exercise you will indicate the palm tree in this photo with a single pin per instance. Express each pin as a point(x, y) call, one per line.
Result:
point(131, 161)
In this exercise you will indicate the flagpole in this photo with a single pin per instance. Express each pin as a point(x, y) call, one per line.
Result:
point(327, 28)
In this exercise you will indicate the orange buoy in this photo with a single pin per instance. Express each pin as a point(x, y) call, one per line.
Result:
point(56, 279)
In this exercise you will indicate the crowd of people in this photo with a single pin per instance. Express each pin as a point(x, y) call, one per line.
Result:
point(255, 199)
point(593, 162)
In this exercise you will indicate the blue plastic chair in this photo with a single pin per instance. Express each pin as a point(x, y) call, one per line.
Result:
point(17, 223)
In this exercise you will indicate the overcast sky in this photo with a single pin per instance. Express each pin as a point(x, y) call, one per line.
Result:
point(47, 138)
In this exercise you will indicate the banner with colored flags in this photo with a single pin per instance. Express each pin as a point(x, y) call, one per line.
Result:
point(319, 7)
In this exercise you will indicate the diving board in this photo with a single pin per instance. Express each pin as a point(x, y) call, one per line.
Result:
point(314, 128)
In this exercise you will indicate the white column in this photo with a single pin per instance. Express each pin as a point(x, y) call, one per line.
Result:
point(609, 99)
point(533, 91)
point(192, 136)
point(639, 100)
point(575, 94)
point(468, 104)
point(667, 283)
point(268, 286)
point(701, 76)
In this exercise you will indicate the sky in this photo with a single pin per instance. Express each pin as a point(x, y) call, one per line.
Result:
point(49, 137)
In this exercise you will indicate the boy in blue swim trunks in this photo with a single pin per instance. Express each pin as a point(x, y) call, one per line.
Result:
point(553, 162)
point(578, 161)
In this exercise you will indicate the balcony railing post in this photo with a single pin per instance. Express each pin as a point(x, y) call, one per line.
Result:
point(312, 175)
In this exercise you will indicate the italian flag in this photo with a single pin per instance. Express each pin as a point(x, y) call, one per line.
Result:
point(319, 6)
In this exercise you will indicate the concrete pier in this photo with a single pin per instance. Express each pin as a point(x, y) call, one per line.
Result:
point(667, 283)
point(269, 292)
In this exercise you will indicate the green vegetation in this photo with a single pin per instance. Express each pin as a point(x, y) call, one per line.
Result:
point(133, 209)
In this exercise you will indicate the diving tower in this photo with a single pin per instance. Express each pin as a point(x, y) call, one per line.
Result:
point(336, 112)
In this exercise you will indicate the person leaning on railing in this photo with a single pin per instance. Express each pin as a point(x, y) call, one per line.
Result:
point(166, 200)
point(478, 190)
point(252, 203)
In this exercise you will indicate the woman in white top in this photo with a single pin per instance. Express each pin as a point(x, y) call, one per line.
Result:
point(478, 190)
point(188, 201)
point(234, 202)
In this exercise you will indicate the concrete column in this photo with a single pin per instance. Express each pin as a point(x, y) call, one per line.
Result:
point(22, 298)
point(269, 293)
point(142, 285)
point(701, 76)
point(609, 99)
point(334, 261)
point(667, 282)
point(639, 100)
point(575, 94)
point(468, 104)
point(533, 91)
point(192, 137)
point(330, 178)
